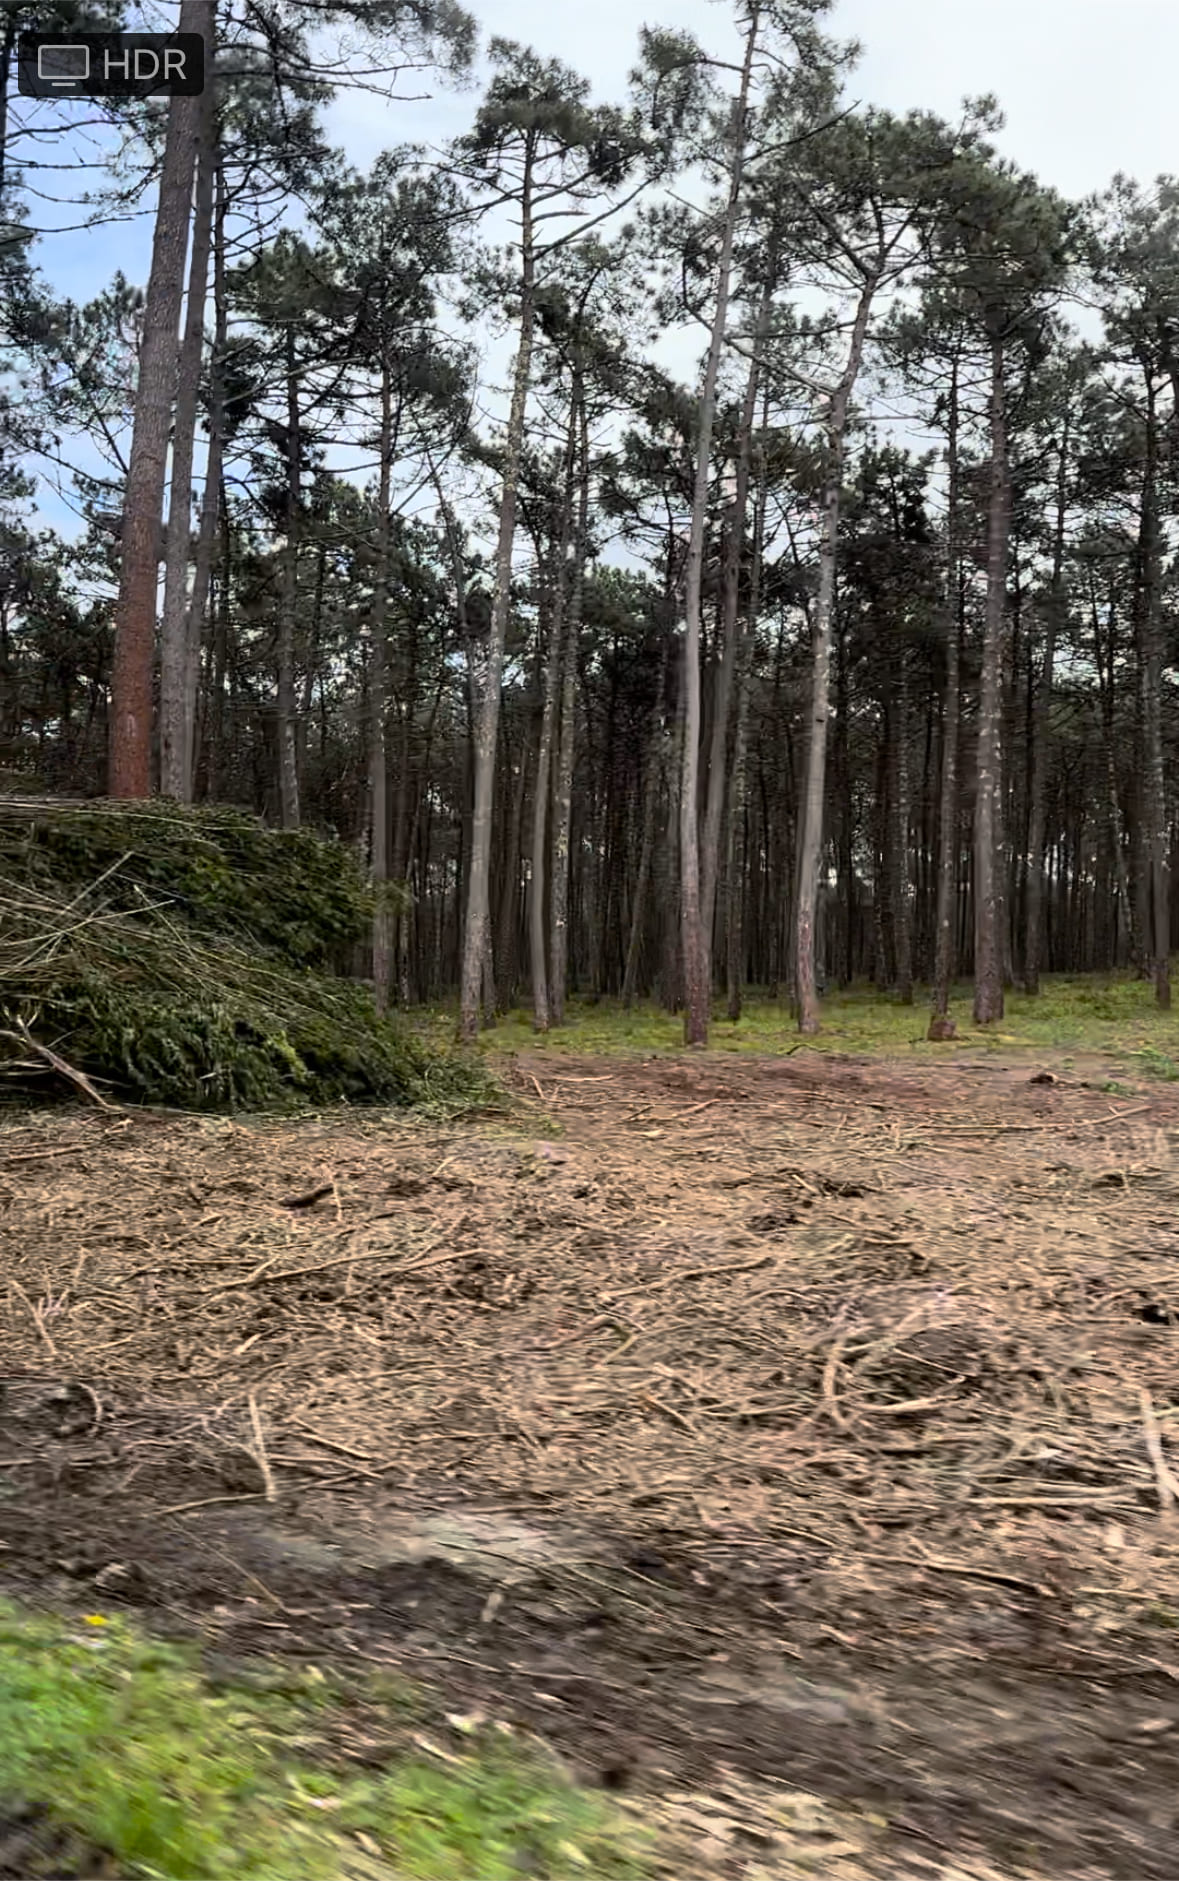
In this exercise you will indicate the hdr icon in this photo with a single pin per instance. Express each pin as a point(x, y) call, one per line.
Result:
point(111, 65)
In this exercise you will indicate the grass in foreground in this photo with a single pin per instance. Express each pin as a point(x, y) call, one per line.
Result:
point(1116, 1017)
point(125, 1743)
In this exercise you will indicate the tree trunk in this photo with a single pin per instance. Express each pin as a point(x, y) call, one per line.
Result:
point(218, 654)
point(901, 881)
point(178, 667)
point(288, 752)
point(563, 802)
point(941, 1026)
point(811, 832)
point(130, 758)
point(846, 835)
point(378, 702)
point(883, 954)
point(477, 935)
point(1105, 661)
point(1150, 659)
point(537, 937)
point(696, 942)
point(651, 785)
point(1054, 617)
point(988, 965)
point(730, 635)
point(12, 27)
point(507, 951)
point(671, 975)
point(213, 494)
point(736, 859)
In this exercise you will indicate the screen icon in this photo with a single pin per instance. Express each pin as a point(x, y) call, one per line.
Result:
point(61, 66)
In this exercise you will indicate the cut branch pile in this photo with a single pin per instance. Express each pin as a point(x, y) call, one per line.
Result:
point(184, 958)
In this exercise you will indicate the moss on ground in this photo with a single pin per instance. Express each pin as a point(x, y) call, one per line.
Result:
point(114, 1741)
point(1117, 1017)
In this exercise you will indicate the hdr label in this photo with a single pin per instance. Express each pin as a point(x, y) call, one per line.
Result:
point(111, 65)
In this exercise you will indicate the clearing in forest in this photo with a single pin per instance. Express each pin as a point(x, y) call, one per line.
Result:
point(750, 1429)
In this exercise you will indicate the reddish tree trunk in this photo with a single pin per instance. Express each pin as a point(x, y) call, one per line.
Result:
point(130, 763)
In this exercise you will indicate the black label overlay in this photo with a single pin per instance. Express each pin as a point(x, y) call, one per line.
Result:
point(111, 65)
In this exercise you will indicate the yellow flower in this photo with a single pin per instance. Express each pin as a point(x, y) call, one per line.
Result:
point(94, 1619)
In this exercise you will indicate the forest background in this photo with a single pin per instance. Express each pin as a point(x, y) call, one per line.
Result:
point(703, 523)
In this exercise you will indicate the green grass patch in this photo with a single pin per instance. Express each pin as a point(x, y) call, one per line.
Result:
point(1117, 1017)
point(126, 1744)
point(1156, 1064)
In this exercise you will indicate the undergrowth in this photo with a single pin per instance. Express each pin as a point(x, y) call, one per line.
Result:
point(124, 1744)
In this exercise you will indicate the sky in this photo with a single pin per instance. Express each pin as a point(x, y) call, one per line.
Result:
point(1088, 88)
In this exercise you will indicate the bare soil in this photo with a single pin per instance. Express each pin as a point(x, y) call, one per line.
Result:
point(787, 1442)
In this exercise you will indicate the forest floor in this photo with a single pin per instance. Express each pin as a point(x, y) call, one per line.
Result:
point(786, 1442)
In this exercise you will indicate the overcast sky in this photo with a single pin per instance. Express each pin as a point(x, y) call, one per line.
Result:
point(1089, 87)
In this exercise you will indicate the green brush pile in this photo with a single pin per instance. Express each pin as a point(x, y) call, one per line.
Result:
point(189, 957)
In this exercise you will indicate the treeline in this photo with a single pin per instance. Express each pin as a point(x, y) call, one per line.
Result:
point(649, 687)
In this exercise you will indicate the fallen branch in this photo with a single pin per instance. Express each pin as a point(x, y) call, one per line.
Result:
point(22, 1036)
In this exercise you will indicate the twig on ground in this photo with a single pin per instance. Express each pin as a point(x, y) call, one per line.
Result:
point(669, 1410)
point(229, 1286)
point(961, 1568)
point(1112, 1116)
point(688, 1273)
point(208, 1502)
point(260, 1451)
point(329, 1443)
point(43, 1156)
point(79, 1385)
point(1168, 1485)
point(830, 1370)
point(309, 1197)
point(344, 1260)
point(907, 1405)
point(36, 1314)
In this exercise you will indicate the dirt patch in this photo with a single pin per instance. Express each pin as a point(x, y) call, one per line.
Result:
point(801, 1423)
point(32, 1849)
